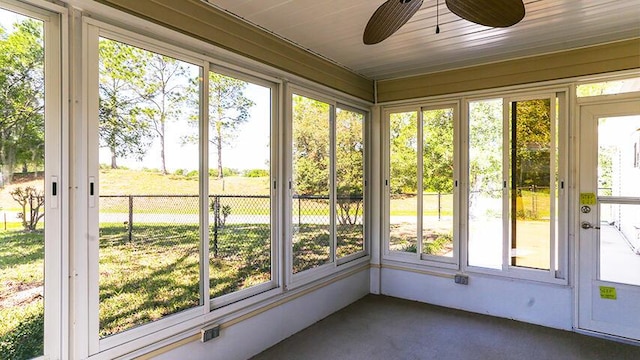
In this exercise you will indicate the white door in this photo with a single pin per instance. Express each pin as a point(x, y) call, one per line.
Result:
point(609, 236)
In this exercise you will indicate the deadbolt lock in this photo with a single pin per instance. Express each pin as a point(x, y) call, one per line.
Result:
point(587, 225)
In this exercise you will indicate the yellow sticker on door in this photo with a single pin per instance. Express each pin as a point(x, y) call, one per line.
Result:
point(608, 292)
point(587, 198)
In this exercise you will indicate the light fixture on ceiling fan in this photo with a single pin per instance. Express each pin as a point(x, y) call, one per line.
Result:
point(392, 14)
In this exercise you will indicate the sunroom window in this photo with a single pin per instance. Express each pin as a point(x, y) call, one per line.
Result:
point(422, 188)
point(31, 180)
point(516, 186)
point(180, 188)
point(327, 183)
point(149, 226)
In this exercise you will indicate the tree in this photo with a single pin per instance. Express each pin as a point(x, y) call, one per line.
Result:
point(31, 201)
point(485, 148)
point(228, 109)
point(21, 96)
point(404, 153)
point(349, 165)
point(437, 150)
point(310, 146)
point(533, 142)
point(165, 95)
point(122, 72)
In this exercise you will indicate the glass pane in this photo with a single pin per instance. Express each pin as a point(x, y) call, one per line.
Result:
point(530, 183)
point(620, 243)
point(485, 183)
point(149, 188)
point(239, 200)
point(403, 139)
point(608, 87)
point(437, 198)
point(21, 186)
point(619, 156)
point(349, 182)
point(310, 184)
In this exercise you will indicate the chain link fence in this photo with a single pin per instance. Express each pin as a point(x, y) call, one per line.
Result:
point(239, 227)
point(312, 229)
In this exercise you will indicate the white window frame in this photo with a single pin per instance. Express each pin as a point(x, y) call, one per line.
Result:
point(56, 235)
point(365, 193)
point(211, 307)
point(559, 250)
point(273, 148)
point(293, 281)
point(450, 263)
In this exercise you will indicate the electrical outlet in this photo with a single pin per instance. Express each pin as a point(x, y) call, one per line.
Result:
point(461, 279)
point(209, 333)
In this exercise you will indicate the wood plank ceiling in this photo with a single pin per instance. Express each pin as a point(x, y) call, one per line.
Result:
point(333, 29)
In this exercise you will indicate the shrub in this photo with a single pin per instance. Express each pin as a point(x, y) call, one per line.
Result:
point(253, 173)
point(192, 173)
point(31, 202)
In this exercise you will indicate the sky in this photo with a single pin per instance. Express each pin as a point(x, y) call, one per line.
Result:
point(250, 150)
point(7, 18)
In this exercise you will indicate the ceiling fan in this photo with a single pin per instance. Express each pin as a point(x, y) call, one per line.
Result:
point(392, 14)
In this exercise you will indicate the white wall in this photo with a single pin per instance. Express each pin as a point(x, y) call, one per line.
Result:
point(252, 336)
point(536, 303)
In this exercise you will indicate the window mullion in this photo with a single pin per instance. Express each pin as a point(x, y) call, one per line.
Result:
point(553, 186)
point(332, 186)
point(513, 198)
point(420, 182)
point(506, 143)
point(204, 187)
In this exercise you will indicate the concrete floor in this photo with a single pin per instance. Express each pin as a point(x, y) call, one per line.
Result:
point(380, 327)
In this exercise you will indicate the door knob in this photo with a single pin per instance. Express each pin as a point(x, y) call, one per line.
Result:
point(587, 225)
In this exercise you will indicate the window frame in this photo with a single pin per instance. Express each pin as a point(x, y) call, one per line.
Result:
point(365, 187)
point(560, 95)
point(297, 280)
point(559, 250)
point(274, 283)
point(56, 232)
point(209, 307)
point(448, 263)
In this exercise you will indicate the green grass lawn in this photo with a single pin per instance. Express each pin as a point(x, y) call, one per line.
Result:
point(21, 273)
point(153, 275)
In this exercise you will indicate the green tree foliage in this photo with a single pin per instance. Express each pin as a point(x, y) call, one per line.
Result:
point(253, 173)
point(122, 74)
point(165, 95)
point(228, 109)
point(404, 153)
point(349, 153)
point(485, 148)
point(21, 96)
point(349, 165)
point(310, 146)
point(437, 150)
point(533, 142)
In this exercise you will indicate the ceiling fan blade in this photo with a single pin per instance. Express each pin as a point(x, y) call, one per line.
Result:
point(493, 13)
point(389, 17)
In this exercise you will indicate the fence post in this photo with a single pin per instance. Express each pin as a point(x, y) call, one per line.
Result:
point(439, 206)
point(130, 227)
point(216, 217)
point(299, 212)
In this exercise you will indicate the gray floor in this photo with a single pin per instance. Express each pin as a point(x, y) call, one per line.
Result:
point(380, 327)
